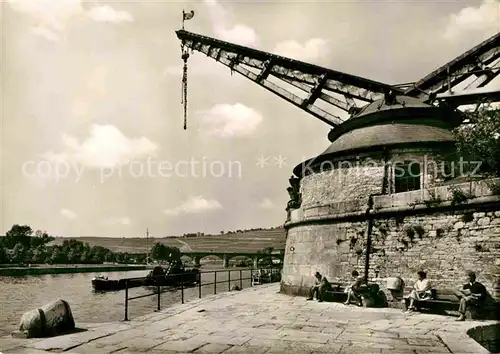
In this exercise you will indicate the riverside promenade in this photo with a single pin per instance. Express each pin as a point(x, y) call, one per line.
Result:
point(259, 320)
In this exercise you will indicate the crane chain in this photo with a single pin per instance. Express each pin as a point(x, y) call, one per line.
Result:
point(185, 56)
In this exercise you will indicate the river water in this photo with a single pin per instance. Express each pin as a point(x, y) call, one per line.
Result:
point(21, 294)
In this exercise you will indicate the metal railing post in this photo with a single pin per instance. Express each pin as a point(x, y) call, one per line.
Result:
point(159, 296)
point(126, 300)
point(199, 288)
point(273, 271)
point(182, 288)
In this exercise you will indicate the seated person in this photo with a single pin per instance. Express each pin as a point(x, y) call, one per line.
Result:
point(421, 290)
point(472, 293)
point(321, 285)
point(353, 290)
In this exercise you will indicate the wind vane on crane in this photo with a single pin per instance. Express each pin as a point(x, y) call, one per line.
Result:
point(185, 56)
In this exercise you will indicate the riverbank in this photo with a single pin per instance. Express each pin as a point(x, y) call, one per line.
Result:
point(20, 294)
point(69, 268)
point(260, 320)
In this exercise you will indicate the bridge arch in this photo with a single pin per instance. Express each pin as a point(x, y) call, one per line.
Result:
point(196, 257)
point(241, 257)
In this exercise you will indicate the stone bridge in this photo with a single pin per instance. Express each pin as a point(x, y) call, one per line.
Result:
point(226, 256)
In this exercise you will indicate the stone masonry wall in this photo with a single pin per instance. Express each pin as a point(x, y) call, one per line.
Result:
point(342, 184)
point(323, 248)
point(409, 234)
point(444, 245)
point(356, 178)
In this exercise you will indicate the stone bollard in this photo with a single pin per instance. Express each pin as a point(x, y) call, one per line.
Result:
point(51, 320)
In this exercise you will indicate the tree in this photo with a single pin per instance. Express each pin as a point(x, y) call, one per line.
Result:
point(174, 254)
point(84, 257)
point(40, 238)
point(480, 139)
point(38, 255)
point(119, 257)
point(57, 256)
point(72, 256)
point(164, 253)
point(99, 254)
point(110, 257)
point(159, 252)
point(18, 253)
point(140, 258)
point(3, 255)
point(18, 234)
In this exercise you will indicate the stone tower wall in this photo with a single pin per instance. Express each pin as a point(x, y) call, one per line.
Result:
point(356, 177)
point(427, 229)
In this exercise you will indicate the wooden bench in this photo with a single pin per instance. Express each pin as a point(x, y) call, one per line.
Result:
point(336, 294)
point(443, 302)
point(369, 294)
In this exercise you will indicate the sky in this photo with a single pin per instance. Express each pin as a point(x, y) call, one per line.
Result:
point(92, 123)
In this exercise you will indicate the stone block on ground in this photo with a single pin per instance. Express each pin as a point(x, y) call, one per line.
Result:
point(52, 319)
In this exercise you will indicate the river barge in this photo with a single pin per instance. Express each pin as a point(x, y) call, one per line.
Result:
point(175, 275)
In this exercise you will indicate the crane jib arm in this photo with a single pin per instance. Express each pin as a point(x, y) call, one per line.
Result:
point(472, 62)
point(318, 82)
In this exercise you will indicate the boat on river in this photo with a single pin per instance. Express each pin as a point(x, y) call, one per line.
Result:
point(175, 275)
point(101, 283)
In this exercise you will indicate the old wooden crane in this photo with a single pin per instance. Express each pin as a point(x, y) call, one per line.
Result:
point(349, 92)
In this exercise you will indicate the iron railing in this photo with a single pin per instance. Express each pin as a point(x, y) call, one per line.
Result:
point(274, 276)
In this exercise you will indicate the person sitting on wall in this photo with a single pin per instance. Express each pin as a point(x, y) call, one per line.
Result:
point(354, 290)
point(321, 285)
point(421, 290)
point(473, 293)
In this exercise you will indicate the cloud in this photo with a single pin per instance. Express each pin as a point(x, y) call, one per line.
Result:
point(106, 13)
point(119, 221)
point(46, 33)
point(483, 19)
point(226, 120)
point(52, 17)
point(68, 214)
point(237, 33)
point(106, 147)
point(313, 49)
point(194, 205)
point(266, 203)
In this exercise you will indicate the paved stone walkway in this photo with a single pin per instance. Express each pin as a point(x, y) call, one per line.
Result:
point(258, 320)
